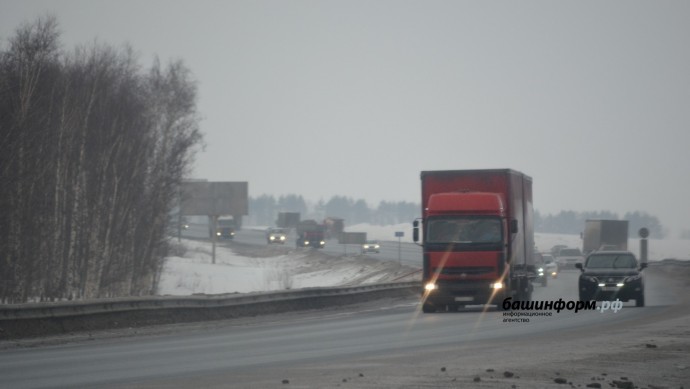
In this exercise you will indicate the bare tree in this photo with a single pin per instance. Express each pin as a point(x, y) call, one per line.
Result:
point(91, 153)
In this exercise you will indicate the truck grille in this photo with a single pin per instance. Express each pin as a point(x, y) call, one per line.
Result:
point(467, 270)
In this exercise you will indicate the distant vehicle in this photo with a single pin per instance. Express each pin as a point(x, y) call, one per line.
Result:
point(568, 257)
point(311, 234)
point(288, 219)
point(610, 275)
point(225, 228)
point(334, 226)
point(276, 235)
point(605, 235)
point(542, 276)
point(371, 246)
point(555, 249)
point(477, 238)
point(550, 267)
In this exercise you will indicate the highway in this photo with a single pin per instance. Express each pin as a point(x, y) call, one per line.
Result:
point(260, 351)
point(232, 349)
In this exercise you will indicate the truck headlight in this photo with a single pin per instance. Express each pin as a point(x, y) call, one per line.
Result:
point(282, 238)
point(497, 285)
point(430, 286)
point(272, 238)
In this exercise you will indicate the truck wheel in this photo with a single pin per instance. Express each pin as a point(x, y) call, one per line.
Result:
point(525, 292)
point(639, 301)
point(428, 308)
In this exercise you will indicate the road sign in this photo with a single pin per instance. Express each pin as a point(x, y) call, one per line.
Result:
point(214, 198)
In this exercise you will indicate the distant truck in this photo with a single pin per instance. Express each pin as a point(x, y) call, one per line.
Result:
point(288, 219)
point(334, 226)
point(311, 234)
point(477, 237)
point(225, 228)
point(608, 235)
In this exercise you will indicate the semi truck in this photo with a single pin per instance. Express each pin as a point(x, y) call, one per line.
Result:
point(477, 237)
point(225, 227)
point(334, 226)
point(288, 219)
point(605, 235)
point(311, 234)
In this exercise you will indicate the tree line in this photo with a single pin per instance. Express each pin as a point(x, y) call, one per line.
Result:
point(263, 210)
point(92, 151)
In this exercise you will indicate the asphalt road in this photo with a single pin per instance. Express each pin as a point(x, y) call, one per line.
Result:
point(234, 348)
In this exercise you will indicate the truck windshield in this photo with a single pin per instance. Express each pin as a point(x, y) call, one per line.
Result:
point(464, 229)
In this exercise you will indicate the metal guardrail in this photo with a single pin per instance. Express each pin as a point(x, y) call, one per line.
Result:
point(94, 307)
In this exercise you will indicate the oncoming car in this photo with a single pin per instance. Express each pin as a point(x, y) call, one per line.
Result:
point(568, 258)
point(371, 246)
point(276, 235)
point(550, 266)
point(542, 277)
point(545, 267)
point(610, 275)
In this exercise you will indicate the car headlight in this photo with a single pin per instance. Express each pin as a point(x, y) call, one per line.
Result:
point(322, 242)
point(282, 238)
point(272, 238)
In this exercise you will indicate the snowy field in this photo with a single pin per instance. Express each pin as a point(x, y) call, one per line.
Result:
point(193, 272)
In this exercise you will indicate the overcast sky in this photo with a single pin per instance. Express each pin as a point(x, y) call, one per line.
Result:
point(355, 98)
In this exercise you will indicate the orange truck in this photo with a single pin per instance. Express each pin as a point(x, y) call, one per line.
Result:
point(477, 236)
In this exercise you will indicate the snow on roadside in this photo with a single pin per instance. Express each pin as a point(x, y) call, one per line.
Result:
point(194, 273)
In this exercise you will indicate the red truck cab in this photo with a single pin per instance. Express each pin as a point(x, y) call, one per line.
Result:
point(477, 237)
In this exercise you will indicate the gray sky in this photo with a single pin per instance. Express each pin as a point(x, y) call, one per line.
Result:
point(355, 98)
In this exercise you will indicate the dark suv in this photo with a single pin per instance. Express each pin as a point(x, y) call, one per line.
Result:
point(610, 275)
